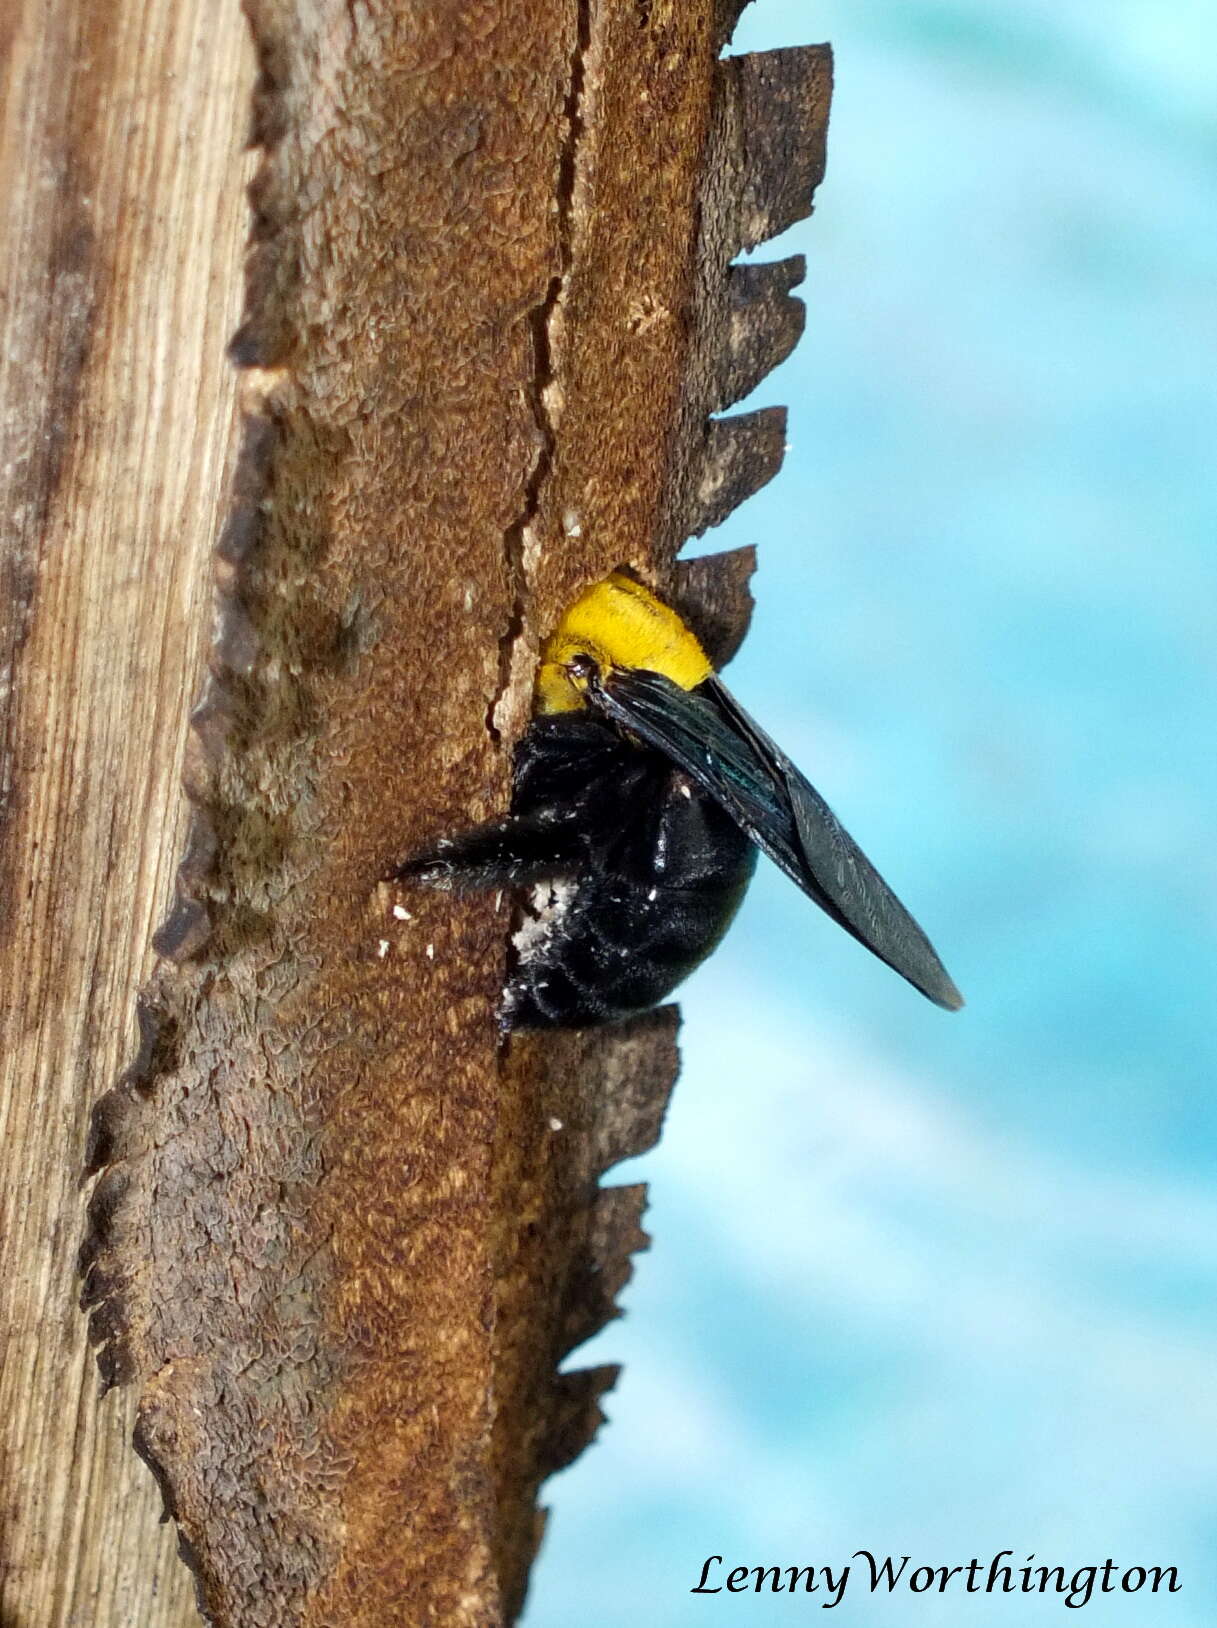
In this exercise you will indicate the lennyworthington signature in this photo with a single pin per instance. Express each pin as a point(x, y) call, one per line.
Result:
point(887, 1574)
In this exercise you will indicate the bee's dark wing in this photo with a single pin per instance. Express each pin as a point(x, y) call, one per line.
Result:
point(710, 736)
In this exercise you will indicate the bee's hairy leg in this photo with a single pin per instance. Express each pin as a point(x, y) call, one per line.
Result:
point(511, 852)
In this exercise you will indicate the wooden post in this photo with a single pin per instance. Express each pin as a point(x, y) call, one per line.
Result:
point(341, 1235)
point(122, 168)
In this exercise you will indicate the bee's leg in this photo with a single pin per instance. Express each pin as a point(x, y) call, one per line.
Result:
point(511, 852)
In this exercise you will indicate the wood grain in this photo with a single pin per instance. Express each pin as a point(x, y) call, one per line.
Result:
point(122, 167)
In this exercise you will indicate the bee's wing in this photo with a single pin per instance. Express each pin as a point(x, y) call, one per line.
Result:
point(710, 736)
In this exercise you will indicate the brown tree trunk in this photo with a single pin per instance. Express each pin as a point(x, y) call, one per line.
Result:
point(341, 1235)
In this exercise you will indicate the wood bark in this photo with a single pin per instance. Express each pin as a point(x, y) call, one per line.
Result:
point(341, 1235)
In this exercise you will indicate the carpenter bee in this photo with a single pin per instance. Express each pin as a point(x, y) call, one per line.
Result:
point(642, 793)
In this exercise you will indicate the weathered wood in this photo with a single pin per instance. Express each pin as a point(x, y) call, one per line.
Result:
point(122, 166)
point(341, 1235)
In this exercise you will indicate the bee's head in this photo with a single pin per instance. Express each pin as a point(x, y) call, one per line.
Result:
point(616, 623)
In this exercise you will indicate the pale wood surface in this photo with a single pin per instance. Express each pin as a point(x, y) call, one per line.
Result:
point(121, 230)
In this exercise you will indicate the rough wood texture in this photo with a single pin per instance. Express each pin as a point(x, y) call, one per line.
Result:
point(121, 169)
point(341, 1237)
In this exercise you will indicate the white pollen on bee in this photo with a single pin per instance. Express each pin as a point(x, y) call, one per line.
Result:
point(555, 1124)
point(685, 792)
point(402, 914)
point(430, 952)
point(571, 525)
point(653, 894)
point(382, 949)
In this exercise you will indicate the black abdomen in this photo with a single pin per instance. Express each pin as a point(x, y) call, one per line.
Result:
point(662, 875)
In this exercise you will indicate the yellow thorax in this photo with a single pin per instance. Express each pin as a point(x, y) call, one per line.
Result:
point(619, 623)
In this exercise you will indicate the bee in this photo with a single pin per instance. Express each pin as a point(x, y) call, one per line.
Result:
point(642, 794)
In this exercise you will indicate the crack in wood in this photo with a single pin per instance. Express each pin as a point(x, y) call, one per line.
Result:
point(520, 543)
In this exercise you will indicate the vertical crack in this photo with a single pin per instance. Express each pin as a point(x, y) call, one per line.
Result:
point(519, 540)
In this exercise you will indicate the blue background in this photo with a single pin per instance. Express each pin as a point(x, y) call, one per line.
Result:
point(930, 1284)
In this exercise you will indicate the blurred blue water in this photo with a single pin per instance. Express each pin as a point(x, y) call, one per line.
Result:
point(943, 1285)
